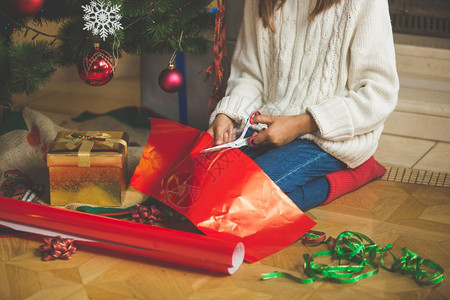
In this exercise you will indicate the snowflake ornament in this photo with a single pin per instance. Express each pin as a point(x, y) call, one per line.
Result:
point(102, 18)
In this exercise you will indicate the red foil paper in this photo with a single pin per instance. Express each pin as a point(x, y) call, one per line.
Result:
point(225, 194)
point(164, 244)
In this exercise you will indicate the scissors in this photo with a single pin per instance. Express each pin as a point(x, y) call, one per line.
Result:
point(239, 142)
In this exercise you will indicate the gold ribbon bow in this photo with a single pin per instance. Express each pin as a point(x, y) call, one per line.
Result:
point(86, 143)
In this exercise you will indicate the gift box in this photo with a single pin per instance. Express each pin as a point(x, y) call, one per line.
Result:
point(88, 167)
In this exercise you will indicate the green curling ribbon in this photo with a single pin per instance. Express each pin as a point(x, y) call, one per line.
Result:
point(411, 263)
point(356, 255)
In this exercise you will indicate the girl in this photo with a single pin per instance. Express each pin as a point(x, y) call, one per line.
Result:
point(323, 74)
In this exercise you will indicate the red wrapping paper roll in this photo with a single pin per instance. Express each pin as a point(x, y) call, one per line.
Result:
point(164, 244)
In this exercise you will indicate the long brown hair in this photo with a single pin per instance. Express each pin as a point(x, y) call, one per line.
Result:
point(268, 7)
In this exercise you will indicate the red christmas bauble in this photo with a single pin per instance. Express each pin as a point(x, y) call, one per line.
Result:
point(27, 7)
point(97, 67)
point(170, 80)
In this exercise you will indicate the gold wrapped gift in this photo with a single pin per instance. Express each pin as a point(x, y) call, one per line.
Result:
point(88, 167)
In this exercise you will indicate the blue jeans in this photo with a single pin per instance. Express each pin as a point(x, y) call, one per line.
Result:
point(299, 169)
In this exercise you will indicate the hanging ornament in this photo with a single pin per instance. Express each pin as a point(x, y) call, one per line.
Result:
point(97, 67)
point(102, 18)
point(27, 7)
point(170, 80)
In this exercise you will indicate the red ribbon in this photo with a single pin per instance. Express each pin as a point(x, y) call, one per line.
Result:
point(81, 138)
point(147, 215)
point(220, 53)
point(57, 247)
point(315, 238)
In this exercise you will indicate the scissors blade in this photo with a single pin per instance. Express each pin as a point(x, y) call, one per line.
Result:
point(235, 144)
point(216, 148)
point(241, 142)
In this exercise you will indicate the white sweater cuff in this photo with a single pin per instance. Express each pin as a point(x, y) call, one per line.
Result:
point(333, 119)
point(236, 107)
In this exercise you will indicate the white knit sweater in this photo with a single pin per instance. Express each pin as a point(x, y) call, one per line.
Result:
point(340, 67)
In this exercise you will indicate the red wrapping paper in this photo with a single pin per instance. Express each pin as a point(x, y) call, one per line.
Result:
point(225, 194)
point(164, 244)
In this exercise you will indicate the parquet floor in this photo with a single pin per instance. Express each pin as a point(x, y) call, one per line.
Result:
point(410, 215)
point(406, 215)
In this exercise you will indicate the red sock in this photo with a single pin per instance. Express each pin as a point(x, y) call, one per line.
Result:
point(345, 181)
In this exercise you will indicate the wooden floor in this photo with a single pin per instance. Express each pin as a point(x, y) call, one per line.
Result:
point(406, 215)
point(410, 215)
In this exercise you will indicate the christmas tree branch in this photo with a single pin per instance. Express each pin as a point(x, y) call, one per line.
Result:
point(38, 32)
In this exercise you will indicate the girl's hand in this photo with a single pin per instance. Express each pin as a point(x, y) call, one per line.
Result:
point(222, 130)
point(282, 130)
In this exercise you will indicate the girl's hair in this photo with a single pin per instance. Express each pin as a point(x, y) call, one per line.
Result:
point(268, 7)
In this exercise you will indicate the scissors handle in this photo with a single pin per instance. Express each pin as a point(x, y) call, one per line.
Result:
point(250, 141)
point(248, 123)
point(255, 113)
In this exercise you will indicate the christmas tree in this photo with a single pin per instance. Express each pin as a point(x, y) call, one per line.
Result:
point(130, 26)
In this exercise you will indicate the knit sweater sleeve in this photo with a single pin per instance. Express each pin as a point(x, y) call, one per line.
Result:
point(244, 86)
point(372, 78)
